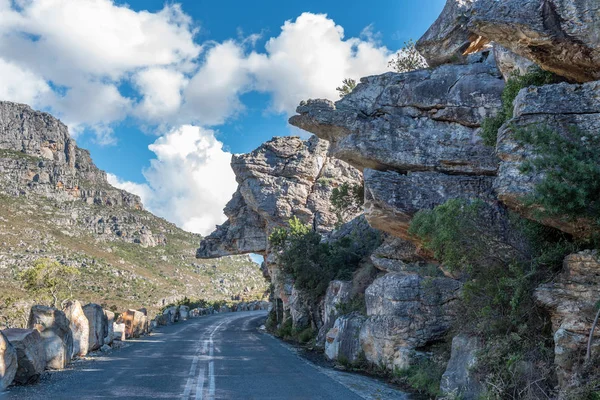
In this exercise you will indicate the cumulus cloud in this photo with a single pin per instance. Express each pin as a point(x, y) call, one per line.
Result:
point(95, 63)
point(189, 181)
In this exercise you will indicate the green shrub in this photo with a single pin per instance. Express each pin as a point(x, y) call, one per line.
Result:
point(356, 304)
point(408, 59)
point(305, 335)
point(535, 76)
point(504, 262)
point(347, 199)
point(285, 330)
point(570, 164)
point(347, 87)
point(424, 376)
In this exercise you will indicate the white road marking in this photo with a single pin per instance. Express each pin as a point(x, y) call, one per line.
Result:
point(200, 385)
point(211, 385)
point(188, 385)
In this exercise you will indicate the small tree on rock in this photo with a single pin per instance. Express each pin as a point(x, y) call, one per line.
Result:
point(347, 87)
point(50, 281)
point(408, 59)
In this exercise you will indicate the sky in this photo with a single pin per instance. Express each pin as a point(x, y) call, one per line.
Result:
point(162, 93)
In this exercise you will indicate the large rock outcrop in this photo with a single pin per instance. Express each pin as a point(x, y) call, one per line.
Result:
point(415, 135)
point(8, 362)
point(571, 300)
point(80, 327)
point(56, 334)
point(406, 312)
point(559, 35)
point(342, 342)
point(31, 358)
point(459, 380)
point(284, 177)
point(560, 107)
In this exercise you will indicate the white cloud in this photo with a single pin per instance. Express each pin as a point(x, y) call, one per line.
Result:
point(21, 85)
point(310, 58)
point(189, 181)
point(161, 91)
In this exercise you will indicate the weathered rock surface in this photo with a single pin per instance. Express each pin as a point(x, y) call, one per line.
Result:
point(119, 331)
point(459, 380)
point(447, 40)
point(395, 254)
point(284, 177)
point(55, 331)
point(98, 324)
point(136, 322)
point(299, 308)
point(392, 199)
point(510, 63)
point(560, 107)
point(171, 314)
point(338, 292)
point(31, 358)
point(184, 312)
point(571, 301)
point(559, 35)
point(80, 327)
point(342, 341)
point(406, 312)
point(425, 120)
point(8, 362)
point(110, 333)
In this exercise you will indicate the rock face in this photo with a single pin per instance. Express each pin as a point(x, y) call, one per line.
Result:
point(338, 292)
point(458, 380)
point(8, 362)
point(392, 199)
point(560, 107)
point(510, 63)
point(571, 300)
point(394, 255)
point(98, 324)
point(406, 312)
point(184, 312)
point(30, 354)
point(80, 327)
point(559, 35)
point(424, 120)
point(342, 341)
point(135, 323)
point(284, 177)
point(447, 40)
point(57, 339)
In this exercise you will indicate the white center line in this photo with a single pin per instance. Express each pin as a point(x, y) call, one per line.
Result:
point(200, 385)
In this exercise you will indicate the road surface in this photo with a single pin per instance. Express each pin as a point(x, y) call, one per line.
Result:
point(222, 356)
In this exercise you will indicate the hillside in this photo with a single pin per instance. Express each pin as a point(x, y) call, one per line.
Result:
point(55, 203)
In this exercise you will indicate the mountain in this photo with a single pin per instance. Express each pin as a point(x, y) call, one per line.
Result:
point(55, 203)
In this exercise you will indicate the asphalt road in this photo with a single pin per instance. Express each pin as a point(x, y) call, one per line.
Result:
point(222, 356)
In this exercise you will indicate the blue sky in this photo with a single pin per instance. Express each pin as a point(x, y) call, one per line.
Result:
point(195, 80)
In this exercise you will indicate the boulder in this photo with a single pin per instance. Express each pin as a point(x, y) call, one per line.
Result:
point(510, 63)
point(342, 341)
point(559, 35)
point(80, 327)
point(459, 380)
point(425, 120)
point(561, 107)
point(171, 315)
point(135, 323)
point(98, 324)
point(8, 362)
point(184, 312)
point(571, 300)
point(392, 199)
point(57, 339)
point(30, 354)
point(119, 331)
point(405, 312)
point(299, 307)
point(447, 40)
point(110, 333)
point(395, 255)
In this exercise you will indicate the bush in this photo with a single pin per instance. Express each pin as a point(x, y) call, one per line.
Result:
point(535, 76)
point(50, 281)
point(503, 269)
point(347, 199)
point(408, 59)
point(570, 164)
point(347, 87)
point(424, 376)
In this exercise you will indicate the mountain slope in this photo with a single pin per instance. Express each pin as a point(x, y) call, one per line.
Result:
point(55, 203)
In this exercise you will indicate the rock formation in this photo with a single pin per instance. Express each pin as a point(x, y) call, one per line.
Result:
point(110, 320)
point(342, 341)
point(406, 312)
point(8, 362)
point(31, 358)
point(571, 300)
point(459, 380)
point(56, 334)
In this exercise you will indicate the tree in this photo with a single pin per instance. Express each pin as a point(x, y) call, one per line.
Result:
point(347, 199)
point(408, 59)
point(347, 87)
point(50, 280)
